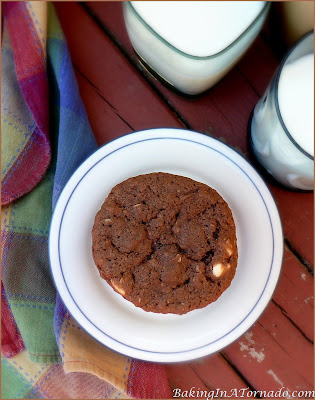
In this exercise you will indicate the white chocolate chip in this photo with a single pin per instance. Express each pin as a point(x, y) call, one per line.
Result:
point(178, 258)
point(119, 289)
point(108, 221)
point(229, 248)
point(137, 205)
point(218, 269)
point(229, 251)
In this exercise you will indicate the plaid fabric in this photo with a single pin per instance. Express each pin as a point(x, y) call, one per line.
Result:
point(11, 340)
point(24, 379)
point(25, 161)
point(46, 354)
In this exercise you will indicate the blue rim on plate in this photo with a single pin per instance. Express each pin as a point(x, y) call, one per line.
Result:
point(57, 266)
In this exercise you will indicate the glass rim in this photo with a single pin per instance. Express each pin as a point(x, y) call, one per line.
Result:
point(263, 11)
point(277, 79)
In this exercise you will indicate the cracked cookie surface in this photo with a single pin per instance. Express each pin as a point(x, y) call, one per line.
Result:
point(165, 242)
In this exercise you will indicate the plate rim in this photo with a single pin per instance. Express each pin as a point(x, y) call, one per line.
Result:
point(189, 136)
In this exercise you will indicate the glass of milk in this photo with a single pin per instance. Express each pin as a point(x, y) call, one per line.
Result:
point(282, 126)
point(193, 44)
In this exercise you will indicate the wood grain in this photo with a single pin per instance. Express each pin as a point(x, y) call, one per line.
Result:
point(218, 374)
point(182, 376)
point(266, 364)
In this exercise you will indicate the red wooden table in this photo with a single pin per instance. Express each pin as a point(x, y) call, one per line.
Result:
point(120, 97)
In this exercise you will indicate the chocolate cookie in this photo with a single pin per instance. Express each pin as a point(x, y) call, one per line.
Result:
point(165, 242)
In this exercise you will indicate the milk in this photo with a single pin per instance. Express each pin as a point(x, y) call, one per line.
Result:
point(198, 28)
point(296, 101)
point(282, 127)
point(192, 44)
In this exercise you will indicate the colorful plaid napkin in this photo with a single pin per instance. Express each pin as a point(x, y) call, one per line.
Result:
point(45, 136)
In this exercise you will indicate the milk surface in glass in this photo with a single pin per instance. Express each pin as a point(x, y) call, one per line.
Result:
point(199, 28)
point(192, 44)
point(296, 101)
point(282, 127)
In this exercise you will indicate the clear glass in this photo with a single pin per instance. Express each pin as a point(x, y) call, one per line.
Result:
point(272, 143)
point(188, 74)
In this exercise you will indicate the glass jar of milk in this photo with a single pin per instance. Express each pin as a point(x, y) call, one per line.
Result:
point(282, 127)
point(193, 44)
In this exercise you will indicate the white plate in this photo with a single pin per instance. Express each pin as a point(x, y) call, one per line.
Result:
point(117, 323)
